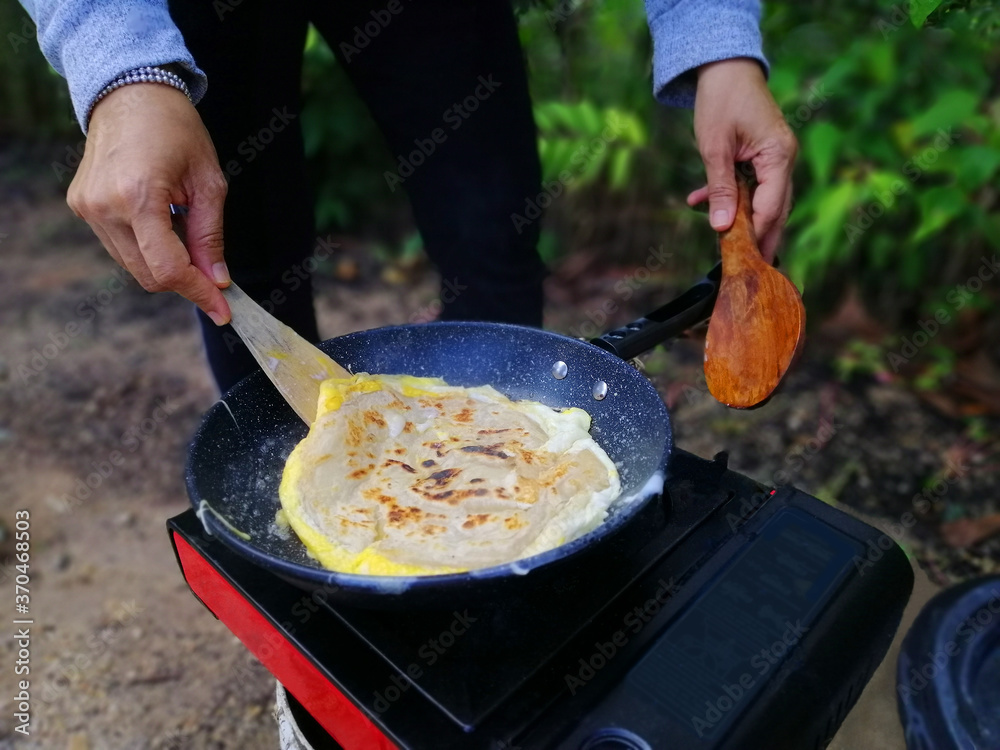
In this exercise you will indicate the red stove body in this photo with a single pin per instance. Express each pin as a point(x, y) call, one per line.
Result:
point(751, 617)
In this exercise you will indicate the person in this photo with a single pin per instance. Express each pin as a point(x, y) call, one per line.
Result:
point(198, 103)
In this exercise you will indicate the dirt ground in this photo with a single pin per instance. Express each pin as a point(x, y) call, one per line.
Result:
point(100, 379)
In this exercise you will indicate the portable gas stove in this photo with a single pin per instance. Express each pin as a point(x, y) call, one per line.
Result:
point(745, 617)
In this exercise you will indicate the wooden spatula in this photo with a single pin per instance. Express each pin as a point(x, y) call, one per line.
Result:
point(295, 366)
point(758, 324)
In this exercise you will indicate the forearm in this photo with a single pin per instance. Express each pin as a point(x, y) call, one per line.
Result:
point(690, 33)
point(91, 42)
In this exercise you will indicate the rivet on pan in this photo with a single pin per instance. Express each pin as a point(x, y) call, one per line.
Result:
point(600, 390)
point(559, 370)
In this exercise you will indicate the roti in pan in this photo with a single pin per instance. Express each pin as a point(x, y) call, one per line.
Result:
point(410, 476)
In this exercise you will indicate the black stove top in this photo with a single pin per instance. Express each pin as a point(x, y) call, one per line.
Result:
point(506, 642)
point(734, 616)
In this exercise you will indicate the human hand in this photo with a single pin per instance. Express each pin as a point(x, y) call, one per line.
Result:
point(147, 148)
point(735, 120)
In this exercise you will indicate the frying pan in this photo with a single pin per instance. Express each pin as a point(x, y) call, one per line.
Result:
point(238, 453)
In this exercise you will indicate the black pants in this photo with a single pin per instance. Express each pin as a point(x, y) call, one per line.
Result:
point(427, 57)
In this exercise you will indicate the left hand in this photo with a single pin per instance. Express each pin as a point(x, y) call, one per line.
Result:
point(736, 119)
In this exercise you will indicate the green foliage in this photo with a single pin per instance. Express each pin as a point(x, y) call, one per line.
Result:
point(899, 130)
point(34, 102)
point(588, 61)
point(940, 367)
point(895, 106)
point(920, 9)
point(578, 144)
point(867, 360)
point(977, 429)
point(860, 358)
point(898, 163)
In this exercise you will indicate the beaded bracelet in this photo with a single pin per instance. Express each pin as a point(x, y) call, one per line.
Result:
point(145, 74)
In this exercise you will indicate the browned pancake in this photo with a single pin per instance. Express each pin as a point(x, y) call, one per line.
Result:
point(410, 475)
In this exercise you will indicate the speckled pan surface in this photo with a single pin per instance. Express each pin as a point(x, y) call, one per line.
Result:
point(238, 453)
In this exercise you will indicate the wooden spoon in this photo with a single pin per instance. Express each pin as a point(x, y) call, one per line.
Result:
point(758, 324)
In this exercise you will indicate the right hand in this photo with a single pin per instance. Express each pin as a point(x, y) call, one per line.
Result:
point(147, 148)
point(736, 119)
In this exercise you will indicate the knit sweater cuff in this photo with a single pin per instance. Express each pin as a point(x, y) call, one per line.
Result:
point(690, 33)
point(108, 38)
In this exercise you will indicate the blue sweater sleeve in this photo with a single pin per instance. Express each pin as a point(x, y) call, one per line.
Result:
point(690, 33)
point(92, 42)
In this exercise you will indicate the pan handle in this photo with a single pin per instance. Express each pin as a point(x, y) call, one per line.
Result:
point(669, 321)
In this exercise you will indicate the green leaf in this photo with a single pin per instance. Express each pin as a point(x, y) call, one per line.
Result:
point(626, 126)
point(815, 248)
point(543, 119)
point(548, 247)
point(784, 84)
point(920, 9)
point(949, 110)
point(557, 116)
point(882, 62)
point(413, 247)
point(588, 165)
point(881, 182)
point(821, 143)
point(882, 251)
point(588, 119)
point(976, 165)
point(312, 38)
point(545, 155)
point(938, 207)
point(619, 167)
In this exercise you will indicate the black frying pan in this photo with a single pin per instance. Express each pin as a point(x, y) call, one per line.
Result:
point(238, 453)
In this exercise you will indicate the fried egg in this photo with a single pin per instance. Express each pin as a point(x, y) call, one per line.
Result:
point(402, 475)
